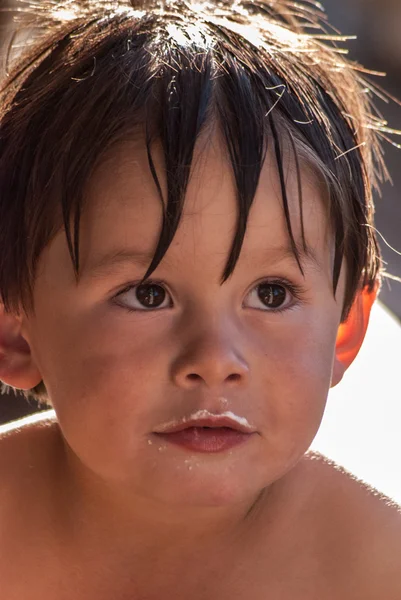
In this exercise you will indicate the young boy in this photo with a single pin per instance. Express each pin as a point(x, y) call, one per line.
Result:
point(188, 262)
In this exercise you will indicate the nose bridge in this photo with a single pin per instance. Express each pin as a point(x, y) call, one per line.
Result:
point(211, 353)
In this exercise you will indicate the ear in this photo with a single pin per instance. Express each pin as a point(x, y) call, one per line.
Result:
point(352, 332)
point(17, 367)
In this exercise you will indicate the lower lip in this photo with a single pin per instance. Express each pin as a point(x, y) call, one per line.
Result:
point(203, 439)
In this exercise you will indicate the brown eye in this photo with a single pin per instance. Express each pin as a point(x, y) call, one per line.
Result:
point(144, 297)
point(150, 295)
point(272, 295)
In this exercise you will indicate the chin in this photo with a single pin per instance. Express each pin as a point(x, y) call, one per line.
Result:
point(196, 483)
point(209, 494)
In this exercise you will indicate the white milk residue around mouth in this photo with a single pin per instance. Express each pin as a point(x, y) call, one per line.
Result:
point(205, 414)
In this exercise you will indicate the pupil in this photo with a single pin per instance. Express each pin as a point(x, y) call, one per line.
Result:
point(272, 295)
point(150, 295)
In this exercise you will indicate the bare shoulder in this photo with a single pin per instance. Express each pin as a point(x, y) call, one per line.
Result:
point(361, 526)
point(27, 451)
point(343, 492)
point(30, 434)
point(34, 422)
point(30, 458)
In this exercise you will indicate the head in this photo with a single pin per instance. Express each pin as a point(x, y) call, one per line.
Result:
point(221, 153)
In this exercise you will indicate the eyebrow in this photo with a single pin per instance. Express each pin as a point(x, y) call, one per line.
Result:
point(113, 259)
point(109, 261)
point(285, 253)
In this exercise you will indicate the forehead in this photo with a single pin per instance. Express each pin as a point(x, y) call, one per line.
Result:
point(123, 210)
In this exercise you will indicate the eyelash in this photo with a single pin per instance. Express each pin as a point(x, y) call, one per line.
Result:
point(296, 291)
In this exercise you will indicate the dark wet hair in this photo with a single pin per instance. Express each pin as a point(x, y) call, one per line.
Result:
point(264, 72)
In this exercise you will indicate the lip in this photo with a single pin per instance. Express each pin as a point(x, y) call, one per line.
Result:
point(206, 440)
point(206, 432)
point(203, 418)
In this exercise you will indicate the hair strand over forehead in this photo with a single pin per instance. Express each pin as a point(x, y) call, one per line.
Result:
point(98, 72)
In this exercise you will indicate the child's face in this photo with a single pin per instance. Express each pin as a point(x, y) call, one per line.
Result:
point(115, 374)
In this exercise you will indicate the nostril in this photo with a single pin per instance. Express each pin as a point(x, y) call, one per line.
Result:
point(196, 377)
point(193, 376)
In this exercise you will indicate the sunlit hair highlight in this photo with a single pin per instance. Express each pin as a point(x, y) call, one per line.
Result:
point(266, 73)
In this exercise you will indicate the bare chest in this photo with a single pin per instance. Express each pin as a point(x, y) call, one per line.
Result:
point(48, 575)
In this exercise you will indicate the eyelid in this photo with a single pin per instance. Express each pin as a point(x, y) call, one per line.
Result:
point(135, 284)
point(295, 290)
point(277, 280)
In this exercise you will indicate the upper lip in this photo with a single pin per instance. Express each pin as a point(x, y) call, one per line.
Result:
point(212, 422)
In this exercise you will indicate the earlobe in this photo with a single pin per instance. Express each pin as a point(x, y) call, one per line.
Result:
point(17, 367)
point(352, 332)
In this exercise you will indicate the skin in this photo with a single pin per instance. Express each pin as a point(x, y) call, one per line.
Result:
point(218, 348)
point(114, 501)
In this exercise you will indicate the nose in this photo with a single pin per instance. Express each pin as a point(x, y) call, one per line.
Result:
point(212, 359)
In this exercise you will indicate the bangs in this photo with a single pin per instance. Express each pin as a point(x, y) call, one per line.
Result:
point(170, 78)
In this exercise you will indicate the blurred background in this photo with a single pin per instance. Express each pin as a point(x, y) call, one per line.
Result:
point(362, 425)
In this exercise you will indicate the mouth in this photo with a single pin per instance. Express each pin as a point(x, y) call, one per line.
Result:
point(207, 432)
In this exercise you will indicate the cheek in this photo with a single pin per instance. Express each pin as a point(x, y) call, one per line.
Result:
point(104, 378)
point(96, 352)
point(296, 371)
